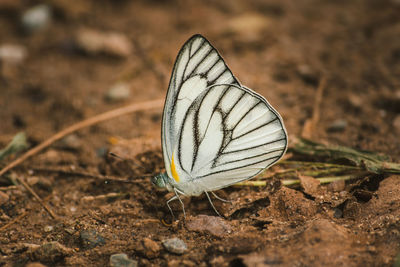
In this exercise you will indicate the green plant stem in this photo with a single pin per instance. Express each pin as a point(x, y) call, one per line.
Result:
point(317, 164)
point(290, 182)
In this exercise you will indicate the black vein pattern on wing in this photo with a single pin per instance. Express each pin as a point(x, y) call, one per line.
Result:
point(258, 127)
point(245, 114)
point(255, 156)
point(248, 148)
point(188, 45)
point(196, 126)
point(227, 134)
point(195, 107)
point(239, 167)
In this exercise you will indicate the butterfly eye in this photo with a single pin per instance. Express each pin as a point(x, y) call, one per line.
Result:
point(159, 180)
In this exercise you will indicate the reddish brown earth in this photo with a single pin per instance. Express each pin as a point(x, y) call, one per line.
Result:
point(282, 49)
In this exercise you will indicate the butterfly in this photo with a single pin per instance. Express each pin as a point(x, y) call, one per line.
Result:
point(215, 131)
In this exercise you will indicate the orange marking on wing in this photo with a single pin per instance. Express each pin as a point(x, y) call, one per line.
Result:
point(173, 170)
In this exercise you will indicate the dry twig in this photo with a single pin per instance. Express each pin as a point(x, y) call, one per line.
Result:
point(27, 187)
point(4, 227)
point(310, 125)
point(90, 175)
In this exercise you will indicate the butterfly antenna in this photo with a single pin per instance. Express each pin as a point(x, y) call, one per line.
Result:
point(212, 205)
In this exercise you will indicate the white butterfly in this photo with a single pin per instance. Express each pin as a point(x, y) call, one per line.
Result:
point(215, 131)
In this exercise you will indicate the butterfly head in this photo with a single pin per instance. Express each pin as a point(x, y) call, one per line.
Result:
point(161, 180)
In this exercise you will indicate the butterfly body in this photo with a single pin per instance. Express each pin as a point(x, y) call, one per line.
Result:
point(215, 132)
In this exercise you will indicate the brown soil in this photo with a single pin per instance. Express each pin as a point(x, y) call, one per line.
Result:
point(281, 49)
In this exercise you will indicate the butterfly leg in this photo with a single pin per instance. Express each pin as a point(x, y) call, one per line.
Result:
point(219, 198)
point(180, 200)
point(168, 201)
point(212, 205)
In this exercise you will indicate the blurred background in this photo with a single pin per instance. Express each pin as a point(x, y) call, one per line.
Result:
point(63, 61)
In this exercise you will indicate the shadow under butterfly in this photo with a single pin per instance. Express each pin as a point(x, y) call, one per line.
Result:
point(215, 131)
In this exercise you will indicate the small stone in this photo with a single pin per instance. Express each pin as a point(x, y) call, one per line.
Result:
point(70, 230)
point(36, 18)
point(338, 125)
point(48, 228)
point(248, 25)
point(338, 213)
point(122, 260)
point(152, 248)
point(90, 239)
point(337, 186)
point(35, 264)
point(13, 54)
point(71, 141)
point(118, 92)
point(396, 123)
point(96, 42)
point(175, 245)
point(355, 101)
point(179, 263)
point(3, 198)
point(308, 74)
point(211, 224)
point(51, 251)
point(101, 152)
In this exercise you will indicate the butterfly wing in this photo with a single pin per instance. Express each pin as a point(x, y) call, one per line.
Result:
point(229, 134)
point(197, 67)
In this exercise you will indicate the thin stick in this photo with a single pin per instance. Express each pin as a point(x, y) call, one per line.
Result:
point(4, 227)
point(92, 175)
point(27, 187)
point(317, 164)
point(85, 123)
point(311, 124)
point(288, 182)
point(9, 188)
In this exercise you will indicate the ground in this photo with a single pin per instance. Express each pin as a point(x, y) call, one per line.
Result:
point(281, 49)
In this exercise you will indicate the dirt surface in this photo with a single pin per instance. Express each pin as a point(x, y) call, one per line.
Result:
point(281, 49)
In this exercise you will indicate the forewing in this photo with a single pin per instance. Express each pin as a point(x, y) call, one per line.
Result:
point(198, 67)
point(235, 135)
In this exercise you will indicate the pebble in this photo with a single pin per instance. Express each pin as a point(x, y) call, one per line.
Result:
point(152, 248)
point(90, 239)
point(101, 152)
point(35, 264)
point(175, 245)
point(355, 101)
point(71, 141)
point(337, 186)
point(396, 123)
point(3, 198)
point(308, 75)
point(248, 25)
point(11, 53)
point(118, 92)
point(36, 18)
point(48, 228)
point(51, 251)
point(122, 260)
point(111, 43)
point(338, 213)
point(210, 224)
point(338, 125)
point(179, 263)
